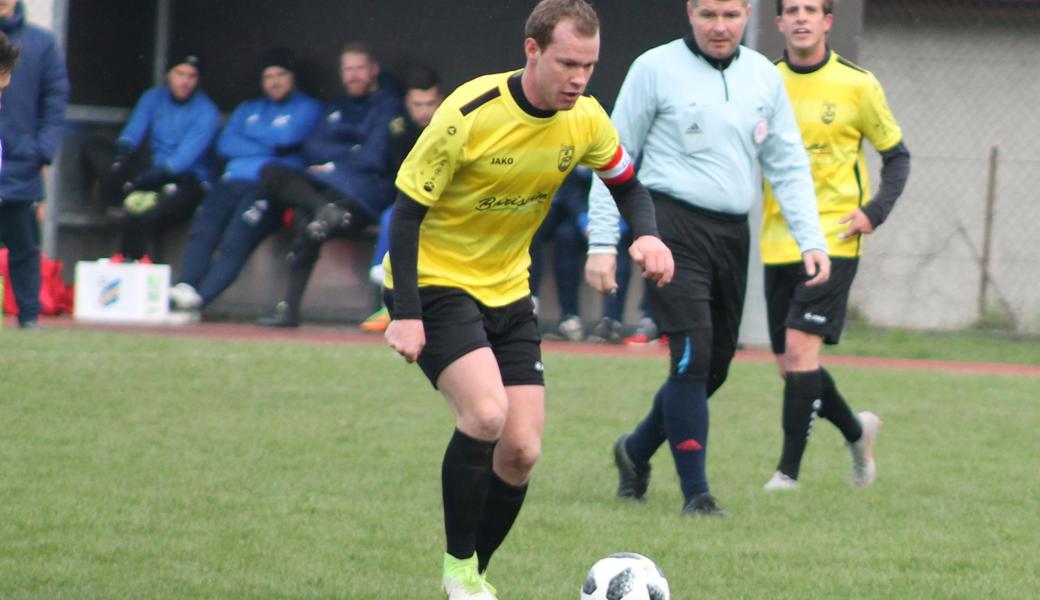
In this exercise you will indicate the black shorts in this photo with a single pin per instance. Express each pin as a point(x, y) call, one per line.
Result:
point(705, 298)
point(456, 324)
point(819, 310)
point(711, 257)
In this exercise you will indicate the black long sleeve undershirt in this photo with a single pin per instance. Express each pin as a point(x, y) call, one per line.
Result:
point(636, 207)
point(895, 170)
point(404, 256)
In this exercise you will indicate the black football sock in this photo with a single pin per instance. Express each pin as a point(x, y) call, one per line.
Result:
point(685, 411)
point(500, 512)
point(465, 481)
point(836, 410)
point(801, 403)
point(648, 435)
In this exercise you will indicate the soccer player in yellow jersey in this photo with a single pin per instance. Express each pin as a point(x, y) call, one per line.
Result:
point(472, 193)
point(837, 104)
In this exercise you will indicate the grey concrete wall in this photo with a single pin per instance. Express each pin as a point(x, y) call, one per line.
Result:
point(958, 89)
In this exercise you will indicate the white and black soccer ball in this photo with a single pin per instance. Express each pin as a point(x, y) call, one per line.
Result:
point(625, 576)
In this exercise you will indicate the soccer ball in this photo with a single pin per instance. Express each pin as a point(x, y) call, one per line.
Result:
point(625, 576)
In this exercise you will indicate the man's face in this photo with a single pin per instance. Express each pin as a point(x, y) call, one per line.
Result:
point(421, 104)
point(563, 68)
point(358, 73)
point(7, 8)
point(5, 80)
point(718, 25)
point(182, 79)
point(804, 25)
point(277, 83)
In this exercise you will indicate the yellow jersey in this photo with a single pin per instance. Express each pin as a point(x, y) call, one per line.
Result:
point(487, 166)
point(836, 105)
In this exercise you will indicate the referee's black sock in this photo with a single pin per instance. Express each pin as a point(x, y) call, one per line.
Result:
point(465, 481)
point(649, 434)
point(500, 512)
point(685, 411)
point(801, 402)
point(836, 410)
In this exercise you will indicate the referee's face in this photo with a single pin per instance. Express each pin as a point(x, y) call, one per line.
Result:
point(563, 68)
point(718, 25)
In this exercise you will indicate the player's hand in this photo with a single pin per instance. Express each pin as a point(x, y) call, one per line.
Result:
point(817, 267)
point(407, 337)
point(600, 272)
point(651, 253)
point(859, 224)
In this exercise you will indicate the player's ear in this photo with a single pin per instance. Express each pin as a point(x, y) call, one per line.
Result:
point(531, 49)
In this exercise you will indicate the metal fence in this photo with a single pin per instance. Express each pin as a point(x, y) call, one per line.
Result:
point(963, 79)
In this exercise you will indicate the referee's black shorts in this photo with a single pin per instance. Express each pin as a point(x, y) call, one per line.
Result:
point(456, 324)
point(819, 310)
point(711, 257)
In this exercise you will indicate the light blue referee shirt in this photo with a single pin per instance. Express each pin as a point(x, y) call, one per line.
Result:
point(700, 129)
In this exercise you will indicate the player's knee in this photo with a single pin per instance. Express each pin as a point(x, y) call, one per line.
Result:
point(802, 352)
point(520, 459)
point(801, 358)
point(484, 421)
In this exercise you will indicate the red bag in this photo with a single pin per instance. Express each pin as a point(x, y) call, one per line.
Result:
point(55, 295)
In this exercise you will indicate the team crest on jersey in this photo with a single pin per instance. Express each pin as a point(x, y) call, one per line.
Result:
point(566, 158)
point(828, 111)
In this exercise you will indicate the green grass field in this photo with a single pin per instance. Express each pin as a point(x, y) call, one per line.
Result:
point(973, 346)
point(136, 466)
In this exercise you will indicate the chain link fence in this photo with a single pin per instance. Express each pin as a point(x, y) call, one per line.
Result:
point(963, 78)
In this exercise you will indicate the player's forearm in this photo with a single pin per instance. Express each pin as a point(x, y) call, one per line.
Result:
point(636, 207)
point(895, 170)
point(404, 256)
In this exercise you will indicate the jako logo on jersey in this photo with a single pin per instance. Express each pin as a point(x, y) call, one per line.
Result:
point(690, 445)
point(814, 318)
point(281, 121)
point(494, 203)
point(501, 160)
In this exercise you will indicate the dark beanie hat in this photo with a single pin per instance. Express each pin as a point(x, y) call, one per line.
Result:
point(183, 56)
point(279, 57)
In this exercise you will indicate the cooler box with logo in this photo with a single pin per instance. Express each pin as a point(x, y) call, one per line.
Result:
point(122, 292)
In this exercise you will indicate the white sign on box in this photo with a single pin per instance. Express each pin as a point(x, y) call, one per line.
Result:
point(122, 292)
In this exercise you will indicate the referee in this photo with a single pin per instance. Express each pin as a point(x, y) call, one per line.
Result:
point(837, 104)
point(473, 191)
point(704, 113)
